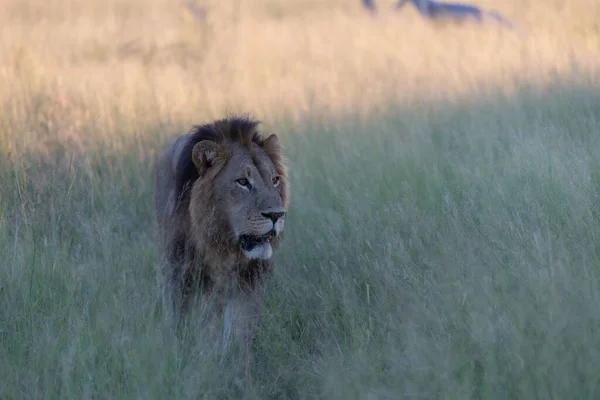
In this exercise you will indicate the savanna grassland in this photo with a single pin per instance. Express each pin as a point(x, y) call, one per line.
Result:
point(443, 236)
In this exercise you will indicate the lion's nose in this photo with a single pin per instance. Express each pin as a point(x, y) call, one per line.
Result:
point(273, 216)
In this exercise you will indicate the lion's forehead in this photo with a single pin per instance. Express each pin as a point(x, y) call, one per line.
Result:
point(254, 159)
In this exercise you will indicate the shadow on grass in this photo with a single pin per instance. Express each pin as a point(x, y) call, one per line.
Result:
point(433, 250)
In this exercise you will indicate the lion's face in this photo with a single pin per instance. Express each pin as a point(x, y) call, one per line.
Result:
point(248, 190)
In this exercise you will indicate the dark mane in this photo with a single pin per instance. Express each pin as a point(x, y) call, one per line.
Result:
point(228, 130)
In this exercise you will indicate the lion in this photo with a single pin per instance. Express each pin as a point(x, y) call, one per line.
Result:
point(221, 200)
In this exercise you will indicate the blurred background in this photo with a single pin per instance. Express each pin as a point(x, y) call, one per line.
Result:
point(442, 238)
point(158, 61)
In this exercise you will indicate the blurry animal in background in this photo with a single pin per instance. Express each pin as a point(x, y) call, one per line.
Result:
point(369, 5)
point(198, 12)
point(455, 12)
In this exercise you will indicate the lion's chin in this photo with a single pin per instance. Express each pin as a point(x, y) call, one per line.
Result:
point(261, 252)
point(257, 247)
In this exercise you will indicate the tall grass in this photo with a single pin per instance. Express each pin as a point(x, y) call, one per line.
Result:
point(442, 238)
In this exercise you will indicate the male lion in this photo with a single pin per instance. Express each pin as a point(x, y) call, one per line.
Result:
point(221, 199)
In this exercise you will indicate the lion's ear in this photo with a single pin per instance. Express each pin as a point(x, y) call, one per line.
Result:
point(272, 147)
point(204, 155)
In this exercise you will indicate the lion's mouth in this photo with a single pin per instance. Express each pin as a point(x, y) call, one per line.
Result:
point(249, 242)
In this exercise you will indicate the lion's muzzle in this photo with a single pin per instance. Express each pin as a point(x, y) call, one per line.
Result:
point(257, 246)
point(249, 242)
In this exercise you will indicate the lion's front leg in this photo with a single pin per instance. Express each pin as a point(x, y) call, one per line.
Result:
point(168, 281)
point(229, 318)
point(250, 316)
point(241, 314)
point(176, 290)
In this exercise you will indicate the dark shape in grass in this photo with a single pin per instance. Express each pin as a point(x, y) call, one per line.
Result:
point(369, 5)
point(198, 12)
point(455, 12)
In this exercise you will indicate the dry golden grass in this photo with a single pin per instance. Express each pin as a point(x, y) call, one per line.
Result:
point(155, 61)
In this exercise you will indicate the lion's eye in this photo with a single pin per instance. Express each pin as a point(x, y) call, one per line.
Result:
point(243, 182)
point(275, 180)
